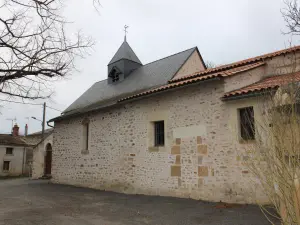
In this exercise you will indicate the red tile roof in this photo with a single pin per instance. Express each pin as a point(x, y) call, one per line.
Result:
point(266, 84)
point(239, 63)
point(196, 79)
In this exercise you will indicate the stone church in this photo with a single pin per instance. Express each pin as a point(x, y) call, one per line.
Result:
point(171, 127)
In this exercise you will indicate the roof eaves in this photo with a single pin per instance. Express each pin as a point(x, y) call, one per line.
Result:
point(248, 94)
point(241, 63)
point(123, 59)
point(171, 86)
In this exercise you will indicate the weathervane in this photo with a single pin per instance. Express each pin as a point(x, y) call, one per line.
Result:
point(125, 29)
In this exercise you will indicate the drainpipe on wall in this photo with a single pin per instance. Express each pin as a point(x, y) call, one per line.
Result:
point(24, 161)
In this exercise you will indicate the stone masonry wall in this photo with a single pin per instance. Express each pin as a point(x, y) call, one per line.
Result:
point(39, 153)
point(201, 159)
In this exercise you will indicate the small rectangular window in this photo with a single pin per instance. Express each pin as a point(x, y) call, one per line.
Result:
point(86, 128)
point(6, 165)
point(247, 125)
point(159, 133)
point(9, 151)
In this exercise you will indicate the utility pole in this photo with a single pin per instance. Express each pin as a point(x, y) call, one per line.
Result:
point(44, 120)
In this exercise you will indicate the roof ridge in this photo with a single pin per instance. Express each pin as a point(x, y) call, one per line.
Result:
point(240, 63)
point(170, 55)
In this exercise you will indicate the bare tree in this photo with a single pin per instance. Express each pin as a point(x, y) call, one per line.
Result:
point(291, 15)
point(274, 157)
point(34, 47)
point(210, 64)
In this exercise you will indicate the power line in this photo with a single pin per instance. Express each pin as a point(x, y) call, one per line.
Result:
point(27, 103)
point(24, 103)
point(53, 108)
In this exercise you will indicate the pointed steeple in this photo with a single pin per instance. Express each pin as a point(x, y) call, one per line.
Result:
point(123, 63)
point(125, 52)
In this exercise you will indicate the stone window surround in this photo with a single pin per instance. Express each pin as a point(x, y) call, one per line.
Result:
point(154, 117)
point(85, 138)
point(241, 140)
point(159, 133)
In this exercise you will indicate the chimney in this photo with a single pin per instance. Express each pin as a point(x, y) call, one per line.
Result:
point(26, 130)
point(15, 130)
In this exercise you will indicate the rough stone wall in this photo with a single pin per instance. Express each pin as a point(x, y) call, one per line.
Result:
point(283, 64)
point(16, 161)
point(39, 154)
point(192, 65)
point(202, 157)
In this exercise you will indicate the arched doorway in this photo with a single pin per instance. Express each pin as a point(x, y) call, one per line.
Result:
point(48, 159)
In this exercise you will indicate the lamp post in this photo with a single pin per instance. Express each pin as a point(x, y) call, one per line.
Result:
point(42, 123)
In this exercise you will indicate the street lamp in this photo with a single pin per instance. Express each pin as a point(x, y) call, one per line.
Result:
point(36, 119)
point(43, 128)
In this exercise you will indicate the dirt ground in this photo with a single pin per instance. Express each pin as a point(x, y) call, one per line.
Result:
point(24, 201)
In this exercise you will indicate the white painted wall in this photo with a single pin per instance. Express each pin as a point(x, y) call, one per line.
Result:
point(17, 160)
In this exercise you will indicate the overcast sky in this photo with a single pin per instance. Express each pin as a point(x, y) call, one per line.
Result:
point(224, 31)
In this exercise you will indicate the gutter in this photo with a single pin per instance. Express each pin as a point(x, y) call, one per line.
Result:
point(49, 124)
point(24, 160)
point(243, 96)
point(80, 113)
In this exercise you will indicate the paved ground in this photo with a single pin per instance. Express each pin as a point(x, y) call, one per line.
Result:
point(39, 203)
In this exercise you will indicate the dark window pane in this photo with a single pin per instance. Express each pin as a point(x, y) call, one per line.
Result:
point(6, 165)
point(247, 124)
point(9, 151)
point(87, 136)
point(159, 133)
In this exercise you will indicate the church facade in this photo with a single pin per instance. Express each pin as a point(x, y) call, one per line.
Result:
point(171, 127)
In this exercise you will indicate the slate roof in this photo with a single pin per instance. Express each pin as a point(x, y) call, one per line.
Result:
point(8, 139)
point(154, 74)
point(265, 84)
point(125, 52)
point(226, 73)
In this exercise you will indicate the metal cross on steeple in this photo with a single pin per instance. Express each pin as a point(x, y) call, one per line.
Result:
point(125, 30)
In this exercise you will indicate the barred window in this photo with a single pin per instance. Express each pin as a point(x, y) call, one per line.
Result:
point(159, 133)
point(247, 125)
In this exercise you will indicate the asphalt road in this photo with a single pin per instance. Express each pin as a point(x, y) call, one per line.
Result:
point(23, 201)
